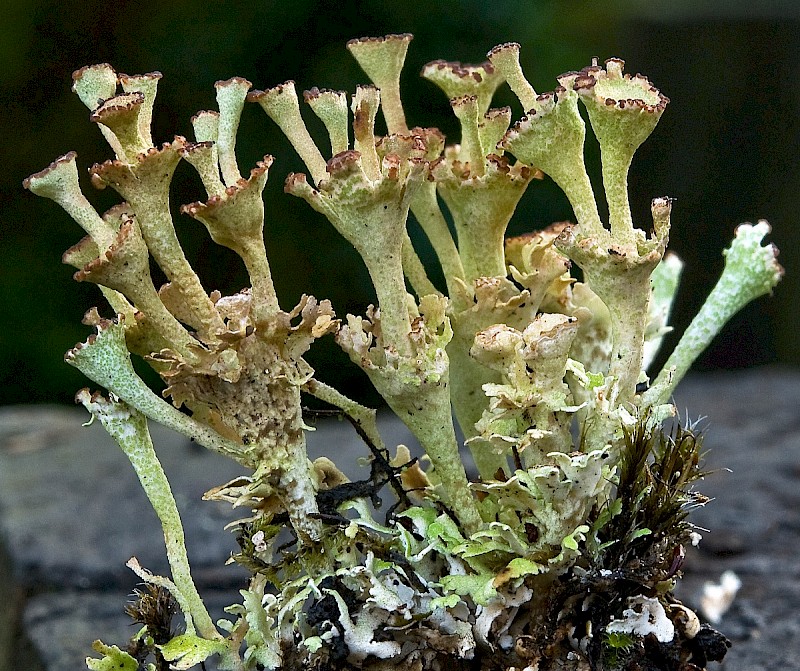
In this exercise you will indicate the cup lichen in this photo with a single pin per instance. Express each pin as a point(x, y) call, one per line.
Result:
point(580, 491)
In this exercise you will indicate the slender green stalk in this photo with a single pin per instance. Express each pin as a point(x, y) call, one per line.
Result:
point(105, 360)
point(390, 286)
point(129, 428)
point(265, 300)
point(429, 215)
point(751, 270)
point(415, 271)
point(429, 417)
point(615, 183)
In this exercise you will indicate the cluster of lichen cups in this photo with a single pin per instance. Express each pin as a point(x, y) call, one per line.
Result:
point(526, 358)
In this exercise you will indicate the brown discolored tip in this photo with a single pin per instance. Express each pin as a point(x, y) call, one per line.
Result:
point(69, 157)
point(496, 112)
point(344, 162)
point(400, 37)
point(583, 80)
point(294, 179)
point(151, 76)
point(92, 317)
point(263, 165)
point(118, 211)
point(125, 102)
point(80, 72)
point(461, 101)
point(459, 70)
point(314, 93)
point(204, 113)
point(80, 253)
point(506, 46)
point(613, 89)
point(257, 95)
point(192, 147)
point(233, 81)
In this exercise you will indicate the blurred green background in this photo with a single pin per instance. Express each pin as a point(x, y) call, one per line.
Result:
point(726, 147)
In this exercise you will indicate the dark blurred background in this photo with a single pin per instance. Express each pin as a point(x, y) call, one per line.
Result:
point(726, 148)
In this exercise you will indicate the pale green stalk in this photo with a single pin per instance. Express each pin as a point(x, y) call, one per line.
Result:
point(129, 428)
point(105, 360)
point(751, 270)
point(425, 208)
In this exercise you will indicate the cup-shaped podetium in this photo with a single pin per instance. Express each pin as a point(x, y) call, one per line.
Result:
point(371, 214)
point(382, 58)
point(235, 219)
point(623, 111)
point(550, 136)
point(460, 79)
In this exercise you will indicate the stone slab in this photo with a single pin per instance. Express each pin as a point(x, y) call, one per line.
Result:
point(73, 511)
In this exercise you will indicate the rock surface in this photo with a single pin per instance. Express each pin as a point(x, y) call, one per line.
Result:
point(72, 514)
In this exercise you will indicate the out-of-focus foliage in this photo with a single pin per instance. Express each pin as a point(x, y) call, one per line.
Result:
point(726, 149)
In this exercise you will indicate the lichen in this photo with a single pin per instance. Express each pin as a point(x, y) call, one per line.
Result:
point(563, 551)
